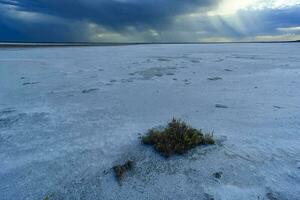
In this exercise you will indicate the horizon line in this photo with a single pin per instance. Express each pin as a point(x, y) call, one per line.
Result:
point(70, 44)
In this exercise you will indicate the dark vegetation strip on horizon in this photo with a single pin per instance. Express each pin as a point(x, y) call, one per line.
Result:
point(79, 44)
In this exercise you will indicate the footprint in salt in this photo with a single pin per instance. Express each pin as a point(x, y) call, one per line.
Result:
point(89, 90)
point(30, 83)
point(214, 78)
point(221, 106)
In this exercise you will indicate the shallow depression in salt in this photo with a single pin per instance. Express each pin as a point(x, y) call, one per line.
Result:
point(67, 115)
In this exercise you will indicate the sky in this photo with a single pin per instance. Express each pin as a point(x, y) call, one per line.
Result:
point(149, 20)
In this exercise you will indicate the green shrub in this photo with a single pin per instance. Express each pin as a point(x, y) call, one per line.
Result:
point(176, 138)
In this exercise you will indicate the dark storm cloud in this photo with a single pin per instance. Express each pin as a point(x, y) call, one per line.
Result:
point(113, 13)
point(143, 20)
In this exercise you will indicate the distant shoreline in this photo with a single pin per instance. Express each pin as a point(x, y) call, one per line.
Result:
point(32, 45)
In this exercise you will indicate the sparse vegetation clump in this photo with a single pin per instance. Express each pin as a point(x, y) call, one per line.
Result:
point(121, 169)
point(46, 198)
point(176, 138)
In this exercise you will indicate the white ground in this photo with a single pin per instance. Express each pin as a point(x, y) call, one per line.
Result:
point(68, 114)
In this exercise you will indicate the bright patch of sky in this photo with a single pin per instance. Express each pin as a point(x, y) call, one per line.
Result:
point(230, 7)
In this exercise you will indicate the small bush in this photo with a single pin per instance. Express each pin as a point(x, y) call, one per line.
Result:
point(177, 138)
point(46, 198)
point(121, 169)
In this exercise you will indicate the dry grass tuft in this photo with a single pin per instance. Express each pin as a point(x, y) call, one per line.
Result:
point(121, 169)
